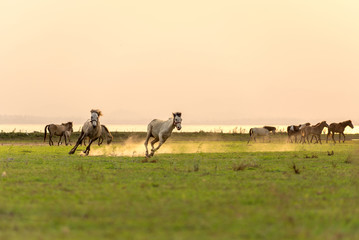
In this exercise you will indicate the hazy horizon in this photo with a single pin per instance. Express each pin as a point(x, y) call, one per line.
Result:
point(228, 62)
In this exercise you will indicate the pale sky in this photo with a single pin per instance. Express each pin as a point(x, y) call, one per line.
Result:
point(215, 61)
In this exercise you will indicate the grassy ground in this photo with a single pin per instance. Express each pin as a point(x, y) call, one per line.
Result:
point(120, 137)
point(190, 190)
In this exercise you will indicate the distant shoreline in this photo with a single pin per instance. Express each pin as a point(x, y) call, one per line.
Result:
point(31, 128)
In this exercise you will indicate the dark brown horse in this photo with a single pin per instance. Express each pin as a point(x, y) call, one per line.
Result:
point(270, 128)
point(339, 128)
point(58, 130)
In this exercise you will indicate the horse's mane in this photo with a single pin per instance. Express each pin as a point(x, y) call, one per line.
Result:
point(98, 111)
point(347, 121)
point(316, 125)
point(108, 132)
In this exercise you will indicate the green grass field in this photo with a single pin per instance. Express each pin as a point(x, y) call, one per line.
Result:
point(222, 189)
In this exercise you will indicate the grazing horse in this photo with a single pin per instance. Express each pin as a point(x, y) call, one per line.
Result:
point(264, 131)
point(339, 128)
point(294, 130)
point(271, 129)
point(161, 131)
point(92, 129)
point(105, 134)
point(315, 131)
point(57, 130)
point(66, 135)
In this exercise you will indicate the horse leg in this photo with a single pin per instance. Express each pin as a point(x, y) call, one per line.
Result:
point(58, 143)
point(328, 136)
point(87, 150)
point(302, 140)
point(250, 137)
point(333, 137)
point(100, 140)
point(289, 139)
point(339, 136)
point(66, 140)
point(162, 141)
point(343, 137)
point(51, 143)
point(153, 146)
point(320, 140)
point(79, 141)
point(146, 143)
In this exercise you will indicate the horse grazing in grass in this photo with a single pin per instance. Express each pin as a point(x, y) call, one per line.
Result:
point(57, 130)
point(270, 128)
point(339, 128)
point(161, 131)
point(67, 134)
point(294, 130)
point(263, 132)
point(314, 131)
point(92, 129)
point(105, 134)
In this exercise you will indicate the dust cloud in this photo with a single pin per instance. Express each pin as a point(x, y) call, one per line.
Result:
point(135, 147)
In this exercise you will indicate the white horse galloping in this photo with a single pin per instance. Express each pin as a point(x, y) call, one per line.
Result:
point(161, 131)
point(264, 131)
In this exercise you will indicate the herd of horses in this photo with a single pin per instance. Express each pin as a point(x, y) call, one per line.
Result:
point(161, 130)
point(93, 130)
point(304, 131)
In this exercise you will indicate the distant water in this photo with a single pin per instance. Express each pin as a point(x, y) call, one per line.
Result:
point(29, 128)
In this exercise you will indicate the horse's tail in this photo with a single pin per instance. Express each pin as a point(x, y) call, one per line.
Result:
point(250, 132)
point(46, 127)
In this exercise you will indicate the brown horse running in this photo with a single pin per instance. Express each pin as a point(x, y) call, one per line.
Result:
point(58, 130)
point(339, 128)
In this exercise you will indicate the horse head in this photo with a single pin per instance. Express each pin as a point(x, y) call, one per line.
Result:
point(350, 124)
point(68, 126)
point(177, 120)
point(95, 114)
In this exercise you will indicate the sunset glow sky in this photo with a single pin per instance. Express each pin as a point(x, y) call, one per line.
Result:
point(215, 61)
